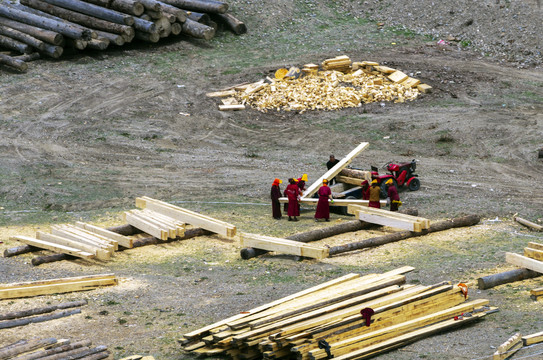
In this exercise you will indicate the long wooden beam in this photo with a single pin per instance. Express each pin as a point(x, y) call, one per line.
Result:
point(337, 202)
point(28, 291)
point(525, 262)
point(101, 254)
point(122, 240)
point(389, 218)
point(54, 247)
point(283, 246)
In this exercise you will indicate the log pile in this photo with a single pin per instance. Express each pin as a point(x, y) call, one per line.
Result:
point(48, 27)
point(341, 83)
point(53, 349)
point(35, 315)
point(351, 317)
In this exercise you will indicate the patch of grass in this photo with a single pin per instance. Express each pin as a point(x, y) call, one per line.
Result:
point(112, 302)
point(121, 321)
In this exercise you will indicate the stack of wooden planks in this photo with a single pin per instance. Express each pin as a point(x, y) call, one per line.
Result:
point(81, 240)
point(154, 223)
point(389, 218)
point(46, 27)
point(53, 349)
point(56, 286)
point(532, 259)
point(351, 317)
point(35, 315)
point(283, 246)
point(515, 343)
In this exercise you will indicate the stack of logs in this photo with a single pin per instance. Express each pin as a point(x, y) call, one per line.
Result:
point(53, 349)
point(46, 27)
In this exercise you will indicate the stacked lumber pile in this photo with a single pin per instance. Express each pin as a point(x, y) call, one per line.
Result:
point(56, 286)
point(351, 317)
point(341, 83)
point(515, 343)
point(536, 294)
point(532, 260)
point(31, 316)
point(389, 218)
point(46, 27)
point(154, 223)
point(53, 349)
point(81, 240)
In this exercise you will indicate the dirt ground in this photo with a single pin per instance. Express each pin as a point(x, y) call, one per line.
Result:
point(81, 137)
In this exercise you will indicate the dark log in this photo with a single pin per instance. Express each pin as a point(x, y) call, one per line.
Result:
point(36, 319)
point(490, 281)
point(180, 14)
point(154, 15)
point(197, 30)
point(78, 18)
point(199, 17)
point(203, 6)
point(28, 58)
point(98, 356)
point(48, 36)
point(18, 250)
point(67, 355)
point(102, 3)
point(56, 350)
point(87, 353)
point(235, 25)
point(144, 26)
point(540, 154)
point(78, 44)
point(53, 51)
point(41, 310)
point(146, 17)
point(468, 220)
point(176, 28)
point(152, 5)
point(100, 43)
point(129, 38)
point(148, 37)
point(132, 7)
point(31, 345)
point(15, 45)
point(189, 233)
point(51, 258)
point(114, 39)
point(22, 37)
point(69, 30)
point(95, 11)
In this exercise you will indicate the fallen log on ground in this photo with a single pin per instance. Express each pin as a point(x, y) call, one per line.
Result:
point(18, 250)
point(468, 220)
point(235, 25)
point(490, 281)
point(41, 310)
point(22, 37)
point(527, 223)
point(36, 319)
point(10, 61)
point(51, 258)
point(56, 350)
point(197, 30)
point(31, 345)
point(180, 14)
point(51, 37)
point(28, 57)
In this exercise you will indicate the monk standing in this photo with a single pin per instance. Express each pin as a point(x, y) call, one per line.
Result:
point(375, 195)
point(365, 190)
point(275, 195)
point(301, 185)
point(393, 195)
point(293, 191)
point(323, 208)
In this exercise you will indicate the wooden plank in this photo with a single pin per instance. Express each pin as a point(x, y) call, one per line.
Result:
point(424, 88)
point(508, 348)
point(534, 245)
point(222, 93)
point(524, 262)
point(533, 254)
point(398, 76)
point(101, 254)
point(349, 180)
point(387, 221)
point(124, 241)
point(384, 69)
point(54, 247)
point(74, 236)
point(330, 174)
point(28, 291)
point(169, 226)
point(93, 236)
point(58, 281)
point(178, 225)
point(410, 82)
point(146, 226)
point(283, 246)
point(231, 107)
point(537, 291)
point(527, 223)
point(425, 223)
point(532, 338)
point(337, 202)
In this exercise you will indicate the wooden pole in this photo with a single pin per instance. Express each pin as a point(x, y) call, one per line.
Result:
point(31, 345)
point(15, 344)
point(152, 5)
point(99, 43)
point(16, 64)
point(131, 7)
point(53, 51)
point(180, 14)
point(27, 58)
point(235, 25)
point(114, 39)
point(51, 258)
point(197, 30)
point(529, 224)
point(95, 11)
point(490, 281)
point(56, 350)
point(48, 36)
point(144, 25)
point(18, 250)
point(98, 356)
point(381, 240)
point(36, 319)
point(41, 310)
point(22, 37)
point(68, 355)
point(15, 45)
point(204, 6)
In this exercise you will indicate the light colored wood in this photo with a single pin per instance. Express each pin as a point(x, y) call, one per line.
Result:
point(424, 88)
point(386, 221)
point(533, 254)
point(537, 291)
point(75, 235)
point(337, 202)
point(229, 101)
point(283, 246)
point(534, 245)
point(508, 348)
point(397, 76)
point(330, 174)
point(124, 241)
point(410, 82)
point(178, 225)
point(425, 223)
point(101, 254)
point(532, 338)
point(58, 281)
point(349, 180)
point(93, 236)
point(145, 226)
point(222, 93)
point(231, 107)
point(524, 262)
point(529, 224)
point(384, 69)
point(151, 218)
point(28, 291)
point(54, 247)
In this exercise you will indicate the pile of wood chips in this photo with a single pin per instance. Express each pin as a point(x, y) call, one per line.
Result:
point(340, 84)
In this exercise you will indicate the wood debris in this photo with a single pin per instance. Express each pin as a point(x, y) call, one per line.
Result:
point(350, 317)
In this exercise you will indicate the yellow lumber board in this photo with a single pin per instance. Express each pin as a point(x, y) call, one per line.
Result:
point(180, 226)
point(425, 223)
point(147, 227)
point(379, 219)
point(229, 101)
point(222, 93)
point(525, 262)
point(101, 254)
point(57, 281)
point(283, 246)
point(54, 247)
point(122, 240)
point(231, 107)
point(151, 218)
point(335, 170)
point(533, 254)
point(398, 76)
point(94, 236)
point(80, 239)
point(410, 82)
point(532, 338)
point(424, 88)
point(369, 63)
point(349, 180)
point(534, 245)
point(337, 202)
point(537, 291)
point(384, 69)
point(27, 291)
point(508, 348)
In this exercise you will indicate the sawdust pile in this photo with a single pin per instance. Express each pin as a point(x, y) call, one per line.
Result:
point(340, 84)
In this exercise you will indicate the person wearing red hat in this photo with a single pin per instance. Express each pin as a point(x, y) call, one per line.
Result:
point(375, 195)
point(293, 192)
point(275, 195)
point(323, 208)
point(365, 190)
point(393, 195)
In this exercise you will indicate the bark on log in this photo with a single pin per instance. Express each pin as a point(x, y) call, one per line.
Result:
point(50, 258)
point(204, 6)
point(78, 44)
point(180, 14)
point(18, 250)
point(56, 350)
point(144, 26)
point(53, 51)
point(88, 353)
point(28, 58)
point(197, 30)
point(235, 25)
point(131, 7)
point(148, 37)
point(99, 43)
point(31, 345)
point(114, 39)
point(529, 224)
point(176, 28)
point(152, 5)
point(22, 37)
point(154, 15)
point(78, 18)
point(15, 45)
point(490, 281)
point(12, 345)
point(401, 235)
point(199, 17)
point(36, 319)
point(48, 36)
point(67, 355)
point(98, 356)
point(95, 11)
point(69, 30)
point(41, 310)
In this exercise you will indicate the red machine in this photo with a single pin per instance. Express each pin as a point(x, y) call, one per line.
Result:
point(402, 174)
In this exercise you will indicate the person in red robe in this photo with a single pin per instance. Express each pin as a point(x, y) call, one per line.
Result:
point(393, 195)
point(365, 190)
point(293, 192)
point(301, 185)
point(275, 194)
point(375, 195)
point(323, 208)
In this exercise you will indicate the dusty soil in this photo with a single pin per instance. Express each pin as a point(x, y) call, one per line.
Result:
point(83, 136)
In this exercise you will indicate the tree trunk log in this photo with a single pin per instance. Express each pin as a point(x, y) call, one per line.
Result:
point(197, 30)
point(204, 6)
point(15, 45)
point(144, 25)
point(48, 36)
point(199, 17)
point(42, 310)
point(99, 43)
point(353, 173)
point(152, 5)
point(235, 25)
point(90, 352)
point(114, 39)
point(31, 345)
point(56, 350)
point(51, 258)
point(12, 345)
point(53, 51)
point(36, 319)
point(28, 58)
point(164, 27)
point(176, 28)
point(529, 224)
point(98, 356)
point(148, 37)
point(95, 11)
point(131, 7)
point(68, 30)
point(154, 15)
point(22, 37)
point(401, 235)
point(20, 250)
point(67, 355)
point(180, 14)
point(490, 281)
point(78, 44)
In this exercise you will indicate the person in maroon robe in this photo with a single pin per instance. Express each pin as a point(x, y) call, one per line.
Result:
point(293, 192)
point(365, 190)
point(275, 195)
point(393, 195)
point(301, 185)
point(375, 195)
point(323, 208)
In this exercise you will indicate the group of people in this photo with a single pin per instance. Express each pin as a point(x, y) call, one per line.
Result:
point(296, 188)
